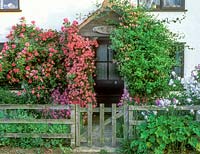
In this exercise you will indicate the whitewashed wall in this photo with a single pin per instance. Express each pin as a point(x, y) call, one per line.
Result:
point(50, 14)
point(190, 27)
point(46, 13)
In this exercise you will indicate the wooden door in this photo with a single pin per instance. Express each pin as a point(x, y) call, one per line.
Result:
point(109, 85)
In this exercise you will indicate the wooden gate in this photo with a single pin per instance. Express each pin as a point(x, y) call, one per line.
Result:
point(103, 131)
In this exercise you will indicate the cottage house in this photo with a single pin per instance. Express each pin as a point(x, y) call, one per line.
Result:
point(49, 14)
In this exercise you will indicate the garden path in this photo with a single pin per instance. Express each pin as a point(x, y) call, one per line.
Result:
point(96, 146)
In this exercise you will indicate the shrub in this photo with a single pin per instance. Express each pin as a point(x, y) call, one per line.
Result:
point(32, 59)
point(29, 142)
point(169, 134)
point(44, 60)
point(79, 64)
point(144, 51)
point(9, 97)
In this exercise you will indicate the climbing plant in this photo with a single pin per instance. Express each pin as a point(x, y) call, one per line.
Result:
point(45, 61)
point(144, 51)
point(79, 64)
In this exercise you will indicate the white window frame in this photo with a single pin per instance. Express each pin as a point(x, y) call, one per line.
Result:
point(160, 6)
point(9, 8)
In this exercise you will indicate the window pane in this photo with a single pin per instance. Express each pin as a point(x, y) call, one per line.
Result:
point(101, 71)
point(1, 46)
point(111, 52)
point(179, 69)
point(113, 73)
point(102, 52)
point(150, 4)
point(1, 4)
point(9, 4)
point(172, 3)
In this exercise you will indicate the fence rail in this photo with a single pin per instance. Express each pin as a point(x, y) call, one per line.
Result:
point(41, 107)
point(157, 108)
point(116, 112)
point(134, 122)
point(126, 111)
point(37, 135)
point(34, 107)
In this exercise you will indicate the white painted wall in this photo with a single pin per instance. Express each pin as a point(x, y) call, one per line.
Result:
point(50, 14)
point(190, 27)
point(46, 13)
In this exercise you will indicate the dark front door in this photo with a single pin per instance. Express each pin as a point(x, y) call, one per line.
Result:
point(109, 85)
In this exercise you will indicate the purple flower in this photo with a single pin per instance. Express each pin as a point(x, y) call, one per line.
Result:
point(158, 102)
point(125, 97)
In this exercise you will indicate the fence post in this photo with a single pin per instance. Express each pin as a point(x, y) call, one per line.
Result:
point(102, 124)
point(113, 124)
point(90, 124)
point(130, 120)
point(73, 130)
point(126, 121)
point(77, 125)
point(198, 116)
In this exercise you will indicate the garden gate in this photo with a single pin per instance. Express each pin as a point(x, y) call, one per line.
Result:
point(101, 128)
point(99, 131)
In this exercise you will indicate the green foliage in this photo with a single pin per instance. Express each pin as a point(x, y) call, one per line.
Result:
point(145, 51)
point(8, 97)
point(125, 147)
point(65, 150)
point(32, 57)
point(167, 134)
point(28, 142)
point(102, 151)
point(41, 61)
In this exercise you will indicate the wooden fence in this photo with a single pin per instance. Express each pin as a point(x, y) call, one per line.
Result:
point(126, 112)
point(134, 121)
point(70, 121)
point(115, 114)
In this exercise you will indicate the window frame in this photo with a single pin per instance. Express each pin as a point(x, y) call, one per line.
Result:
point(162, 8)
point(108, 63)
point(179, 58)
point(11, 9)
point(1, 45)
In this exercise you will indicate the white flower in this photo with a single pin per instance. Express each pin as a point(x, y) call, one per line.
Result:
point(162, 103)
point(167, 102)
point(182, 81)
point(198, 112)
point(192, 111)
point(174, 106)
point(189, 100)
point(173, 73)
point(171, 82)
point(155, 112)
point(195, 73)
point(175, 101)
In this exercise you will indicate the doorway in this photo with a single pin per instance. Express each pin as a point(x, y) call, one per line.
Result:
point(109, 85)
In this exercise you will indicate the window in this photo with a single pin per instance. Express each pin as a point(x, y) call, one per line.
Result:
point(1, 46)
point(9, 5)
point(179, 56)
point(106, 69)
point(165, 5)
